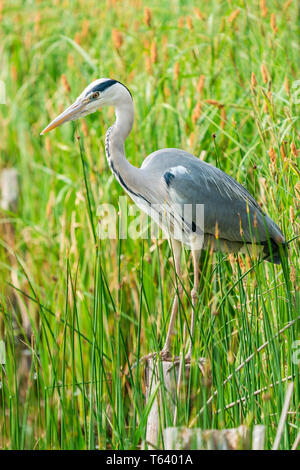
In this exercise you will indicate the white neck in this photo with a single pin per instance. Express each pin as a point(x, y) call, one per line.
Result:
point(115, 137)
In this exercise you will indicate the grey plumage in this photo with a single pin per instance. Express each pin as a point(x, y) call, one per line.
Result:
point(171, 179)
point(227, 204)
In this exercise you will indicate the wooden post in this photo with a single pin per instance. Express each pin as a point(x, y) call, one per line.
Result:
point(10, 189)
point(226, 439)
point(165, 394)
point(9, 192)
point(258, 437)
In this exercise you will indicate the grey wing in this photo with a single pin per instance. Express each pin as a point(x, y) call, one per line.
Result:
point(226, 203)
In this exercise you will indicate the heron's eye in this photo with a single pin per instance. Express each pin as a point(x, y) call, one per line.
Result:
point(95, 95)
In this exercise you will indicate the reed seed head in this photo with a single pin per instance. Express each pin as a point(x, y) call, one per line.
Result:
point(287, 4)
point(117, 38)
point(153, 52)
point(198, 13)
point(263, 8)
point(200, 84)
point(253, 80)
point(282, 152)
point(264, 73)
point(189, 23)
point(147, 16)
point(223, 117)
point(233, 16)
point(65, 83)
point(273, 23)
point(287, 84)
point(215, 103)
point(273, 156)
point(196, 112)
point(294, 150)
point(293, 276)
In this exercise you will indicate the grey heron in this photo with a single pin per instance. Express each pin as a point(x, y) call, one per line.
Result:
point(170, 179)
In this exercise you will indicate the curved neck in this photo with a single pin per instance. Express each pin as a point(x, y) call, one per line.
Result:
point(115, 138)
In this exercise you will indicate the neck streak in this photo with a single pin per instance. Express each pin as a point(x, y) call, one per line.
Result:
point(115, 137)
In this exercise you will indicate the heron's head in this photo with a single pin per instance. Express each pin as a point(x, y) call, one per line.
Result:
point(102, 92)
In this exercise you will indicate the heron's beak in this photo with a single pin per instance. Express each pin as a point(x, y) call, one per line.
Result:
point(71, 113)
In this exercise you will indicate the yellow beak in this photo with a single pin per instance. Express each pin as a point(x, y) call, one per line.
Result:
point(69, 114)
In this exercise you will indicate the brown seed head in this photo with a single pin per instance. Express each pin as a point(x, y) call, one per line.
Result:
point(28, 37)
point(37, 22)
point(182, 90)
point(189, 23)
point(200, 84)
point(287, 84)
point(215, 103)
point(264, 73)
point(297, 189)
point(198, 13)
point(71, 61)
point(196, 112)
point(65, 83)
point(294, 151)
point(273, 23)
point(147, 16)
point(148, 64)
point(293, 276)
point(241, 262)
point(287, 5)
point(165, 41)
point(253, 80)
point(180, 22)
point(263, 8)
point(233, 16)
point(282, 152)
point(167, 92)
point(14, 73)
point(153, 52)
point(191, 139)
point(77, 38)
point(273, 156)
point(223, 118)
point(84, 128)
point(117, 38)
point(85, 28)
point(48, 144)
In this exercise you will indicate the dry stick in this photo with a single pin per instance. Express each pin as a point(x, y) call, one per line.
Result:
point(283, 416)
point(258, 437)
point(249, 358)
point(297, 441)
point(257, 392)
